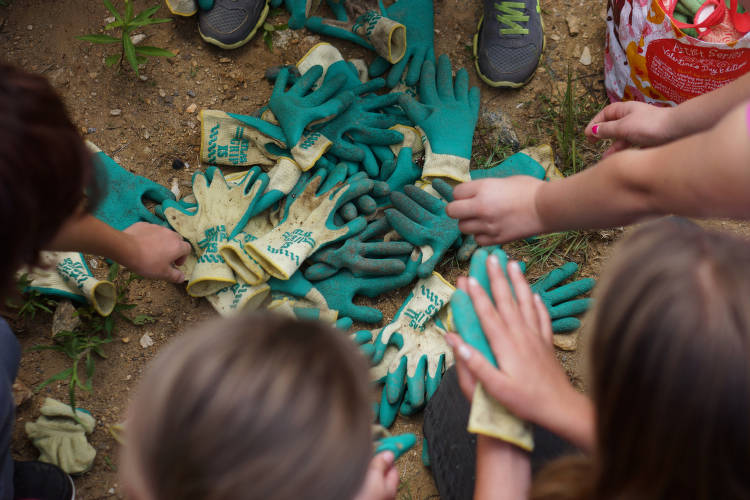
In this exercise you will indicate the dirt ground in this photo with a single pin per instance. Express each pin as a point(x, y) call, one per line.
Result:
point(154, 128)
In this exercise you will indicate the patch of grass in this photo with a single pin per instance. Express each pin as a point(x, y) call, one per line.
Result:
point(127, 22)
point(85, 344)
point(269, 28)
point(562, 246)
point(33, 301)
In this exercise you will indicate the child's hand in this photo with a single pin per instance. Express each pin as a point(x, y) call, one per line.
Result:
point(530, 382)
point(497, 210)
point(381, 482)
point(632, 124)
point(155, 250)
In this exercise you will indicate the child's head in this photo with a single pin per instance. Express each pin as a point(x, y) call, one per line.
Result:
point(670, 366)
point(44, 167)
point(258, 406)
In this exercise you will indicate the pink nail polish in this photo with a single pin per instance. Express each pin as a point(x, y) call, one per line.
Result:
point(464, 352)
point(594, 129)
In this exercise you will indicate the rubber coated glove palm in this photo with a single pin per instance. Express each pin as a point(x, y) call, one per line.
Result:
point(67, 275)
point(422, 349)
point(239, 140)
point(421, 220)
point(61, 439)
point(296, 108)
point(122, 203)
point(307, 224)
point(221, 207)
point(361, 255)
point(355, 23)
point(447, 113)
point(418, 17)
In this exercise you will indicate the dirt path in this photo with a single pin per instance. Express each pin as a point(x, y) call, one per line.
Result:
point(153, 128)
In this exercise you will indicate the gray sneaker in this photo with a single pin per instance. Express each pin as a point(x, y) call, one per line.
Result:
point(509, 42)
point(232, 23)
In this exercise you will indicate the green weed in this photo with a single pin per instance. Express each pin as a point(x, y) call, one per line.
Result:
point(33, 302)
point(127, 22)
point(84, 345)
point(564, 245)
point(269, 28)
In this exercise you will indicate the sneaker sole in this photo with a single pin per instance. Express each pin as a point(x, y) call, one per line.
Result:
point(242, 42)
point(502, 84)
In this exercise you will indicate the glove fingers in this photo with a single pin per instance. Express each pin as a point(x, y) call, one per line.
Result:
point(380, 101)
point(303, 84)
point(376, 135)
point(444, 189)
point(376, 228)
point(157, 193)
point(279, 87)
point(363, 314)
point(468, 325)
point(429, 203)
point(569, 291)
point(564, 325)
point(368, 87)
point(146, 216)
point(388, 411)
point(397, 71)
point(461, 86)
point(415, 384)
point(427, 90)
point(474, 100)
point(425, 268)
point(347, 151)
point(379, 267)
point(369, 163)
point(366, 205)
point(433, 381)
point(444, 78)
point(320, 271)
point(378, 67)
point(395, 382)
point(415, 66)
point(387, 248)
point(414, 110)
point(555, 277)
point(570, 308)
point(348, 212)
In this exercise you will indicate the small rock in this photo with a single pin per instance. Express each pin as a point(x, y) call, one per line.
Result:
point(126, 340)
point(146, 135)
point(93, 75)
point(109, 19)
point(21, 393)
point(147, 150)
point(555, 37)
point(136, 39)
point(146, 341)
point(30, 27)
point(115, 112)
point(191, 93)
point(111, 491)
point(499, 128)
point(94, 263)
point(169, 100)
point(90, 130)
point(162, 94)
point(566, 341)
point(574, 25)
point(59, 77)
point(224, 60)
point(142, 78)
point(175, 188)
point(65, 318)
point(585, 56)
point(191, 109)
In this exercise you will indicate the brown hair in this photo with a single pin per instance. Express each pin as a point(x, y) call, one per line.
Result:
point(670, 368)
point(44, 168)
point(255, 407)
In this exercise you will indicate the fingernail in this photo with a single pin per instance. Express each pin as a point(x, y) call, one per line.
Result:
point(473, 281)
point(494, 260)
point(388, 457)
point(594, 129)
point(449, 339)
point(538, 298)
point(464, 352)
point(513, 264)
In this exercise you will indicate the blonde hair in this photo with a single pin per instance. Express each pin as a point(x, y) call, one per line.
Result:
point(255, 407)
point(670, 368)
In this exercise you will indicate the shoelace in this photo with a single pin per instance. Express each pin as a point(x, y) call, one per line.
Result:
point(511, 14)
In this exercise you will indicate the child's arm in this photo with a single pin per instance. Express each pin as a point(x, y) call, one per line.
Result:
point(503, 470)
point(640, 124)
point(146, 249)
point(703, 175)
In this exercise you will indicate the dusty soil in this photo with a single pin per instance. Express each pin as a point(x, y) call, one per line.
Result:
point(154, 128)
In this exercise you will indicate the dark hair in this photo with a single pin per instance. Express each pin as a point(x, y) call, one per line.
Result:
point(670, 368)
point(44, 168)
point(259, 406)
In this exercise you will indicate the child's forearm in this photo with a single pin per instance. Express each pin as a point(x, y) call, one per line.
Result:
point(87, 234)
point(503, 470)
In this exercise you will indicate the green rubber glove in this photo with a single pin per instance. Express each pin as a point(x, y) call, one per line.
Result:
point(401, 172)
point(422, 354)
point(67, 275)
point(421, 220)
point(122, 203)
point(447, 113)
point(398, 445)
point(561, 303)
point(517, 164)
point(299, 10)
point(361, 255)
point(296, 108)
point(61, 439)
point(361, 124)
point(221, 208)
point(239, 140)
point(418, 17)
point(362, 205)
point(367, 28)
point(307, 224)
point(330, 59)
